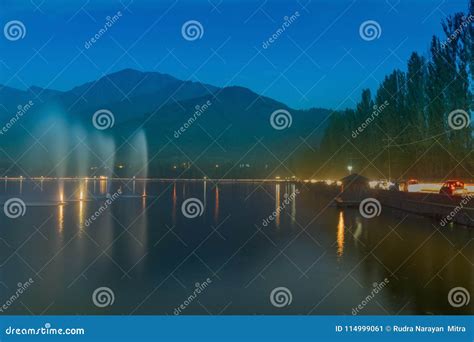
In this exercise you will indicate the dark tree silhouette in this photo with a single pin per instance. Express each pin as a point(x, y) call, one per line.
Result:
point(411, 136)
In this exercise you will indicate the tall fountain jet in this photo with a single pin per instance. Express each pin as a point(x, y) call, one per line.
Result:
point(51, 152)
point(135, 162)
point(136, 157)
point(103, 159)
point(82, 151)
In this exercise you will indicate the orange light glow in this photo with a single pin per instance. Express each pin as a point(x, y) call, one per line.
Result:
point(340, 234)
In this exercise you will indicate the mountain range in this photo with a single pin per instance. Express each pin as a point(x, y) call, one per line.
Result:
point(177, 122)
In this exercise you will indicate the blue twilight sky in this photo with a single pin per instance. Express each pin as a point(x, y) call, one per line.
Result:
point(320, 60)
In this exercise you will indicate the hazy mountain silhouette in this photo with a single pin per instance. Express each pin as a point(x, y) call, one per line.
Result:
point(233, 124)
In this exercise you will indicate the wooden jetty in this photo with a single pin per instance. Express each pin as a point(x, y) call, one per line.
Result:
point(444, 208)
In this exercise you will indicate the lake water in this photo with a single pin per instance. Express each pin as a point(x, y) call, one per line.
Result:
point(153, 258)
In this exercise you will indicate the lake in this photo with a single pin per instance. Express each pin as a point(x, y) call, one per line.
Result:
point(256, 248)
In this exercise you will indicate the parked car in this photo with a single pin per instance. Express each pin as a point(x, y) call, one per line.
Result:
point(405, 184)
point(453, 187)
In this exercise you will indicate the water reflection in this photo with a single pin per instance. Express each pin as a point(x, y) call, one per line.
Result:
point(81, 193)
point(358, 230)
point(293, 205)
point(81, 215)
point(60, 218)
point(205, 193)
point(103, 186)
point(173, 209)
point(422, 277)
point(82, 200)
point(216, 208)
point(340, 235)
point(277, 205)
point(61, 192)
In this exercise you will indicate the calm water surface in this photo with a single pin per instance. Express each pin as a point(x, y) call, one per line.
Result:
point(152, 257)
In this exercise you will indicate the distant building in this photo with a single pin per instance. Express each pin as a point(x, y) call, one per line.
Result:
point(354, 189)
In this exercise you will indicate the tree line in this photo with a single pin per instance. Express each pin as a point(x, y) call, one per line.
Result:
point(416, 124)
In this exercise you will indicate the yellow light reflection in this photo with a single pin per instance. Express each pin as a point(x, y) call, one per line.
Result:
point(82, 191)
point(293, 205)
point(216, 208)
point(277, 205)
point(82, 196)
point(103, 185)
point(173, 213)
point(61, 208)
point(61, 218)
point(340, 235)
point(81, 215)
point(61, 192)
